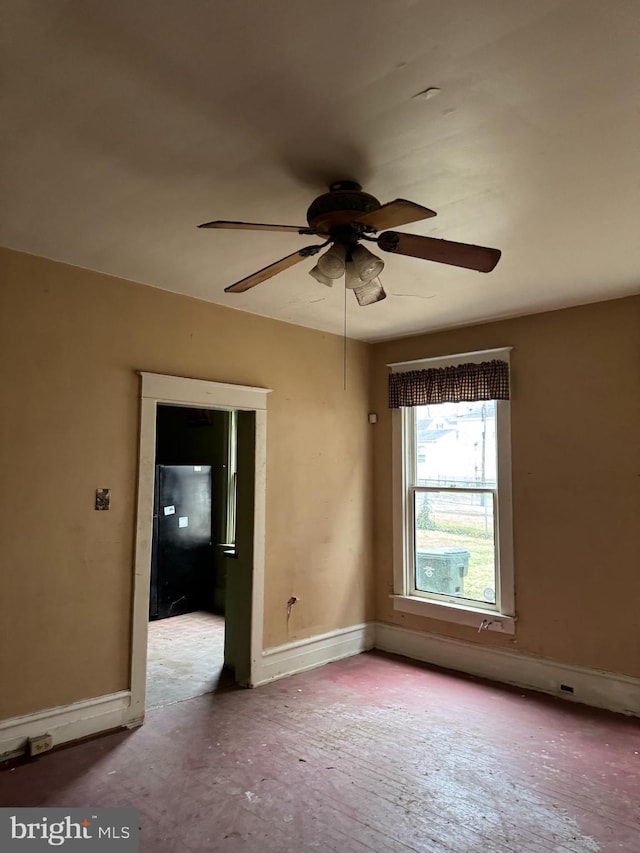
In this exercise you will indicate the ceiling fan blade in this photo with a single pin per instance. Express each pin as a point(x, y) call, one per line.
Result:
point(465, 255)
point(370, 292)
point(256, 226)
point(266, 272)
point(398, 212)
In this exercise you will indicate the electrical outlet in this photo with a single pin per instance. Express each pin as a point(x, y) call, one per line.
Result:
point(39, 744)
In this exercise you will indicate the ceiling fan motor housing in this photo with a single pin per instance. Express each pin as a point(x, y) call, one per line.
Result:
point(344, 202)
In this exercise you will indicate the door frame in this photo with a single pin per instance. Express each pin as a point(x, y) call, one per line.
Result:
point(158, 389)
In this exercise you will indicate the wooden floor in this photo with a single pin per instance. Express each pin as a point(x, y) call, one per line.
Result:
point(372, 753)
point(185, 657)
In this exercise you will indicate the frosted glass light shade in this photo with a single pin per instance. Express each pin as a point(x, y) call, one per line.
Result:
point(351, 277)
point(367, 264)
point(332, 263)
point(370, 292)
point(319, 276)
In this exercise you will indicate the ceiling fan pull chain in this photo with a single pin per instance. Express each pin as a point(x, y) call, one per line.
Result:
point(344, 343)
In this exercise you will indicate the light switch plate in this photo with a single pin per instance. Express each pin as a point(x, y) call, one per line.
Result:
point(103, 499)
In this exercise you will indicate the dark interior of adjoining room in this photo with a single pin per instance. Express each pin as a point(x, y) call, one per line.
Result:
point(193, 544)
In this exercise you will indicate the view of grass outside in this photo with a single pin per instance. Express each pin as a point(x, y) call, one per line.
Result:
point(462, 520)
point(455, 458)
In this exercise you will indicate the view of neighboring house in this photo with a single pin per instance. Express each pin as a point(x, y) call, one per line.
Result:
point(456, 443)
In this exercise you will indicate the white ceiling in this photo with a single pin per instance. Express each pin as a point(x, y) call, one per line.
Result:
point(128, 122)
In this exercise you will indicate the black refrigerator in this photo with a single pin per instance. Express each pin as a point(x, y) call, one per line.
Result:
point(182, 577)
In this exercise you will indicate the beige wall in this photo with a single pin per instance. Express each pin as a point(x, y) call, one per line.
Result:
point(576, 480)
point(71, 341)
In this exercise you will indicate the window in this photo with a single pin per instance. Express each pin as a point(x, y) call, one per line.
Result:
point(452, 491)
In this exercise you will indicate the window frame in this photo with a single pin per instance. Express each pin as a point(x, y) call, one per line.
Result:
point(501, 616)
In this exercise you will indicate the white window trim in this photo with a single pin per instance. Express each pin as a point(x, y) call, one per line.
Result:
point(503, 616)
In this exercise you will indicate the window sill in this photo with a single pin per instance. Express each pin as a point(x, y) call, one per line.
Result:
point(486, 620)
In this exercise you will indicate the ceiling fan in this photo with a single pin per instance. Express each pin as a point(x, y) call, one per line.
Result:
point(344, 217)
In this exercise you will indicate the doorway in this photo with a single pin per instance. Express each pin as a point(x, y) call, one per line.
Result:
point(244, 583)
point(194, 542)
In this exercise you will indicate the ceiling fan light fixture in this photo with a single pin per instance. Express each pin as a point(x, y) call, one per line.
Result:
point(320, 276)
point(344, 216)
point(332, 263)
point(368, 265)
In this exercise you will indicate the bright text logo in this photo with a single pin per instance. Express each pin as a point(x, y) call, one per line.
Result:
point(25, 830)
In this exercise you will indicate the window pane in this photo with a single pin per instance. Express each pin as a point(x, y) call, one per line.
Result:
point(454, 545)
point(456, 444)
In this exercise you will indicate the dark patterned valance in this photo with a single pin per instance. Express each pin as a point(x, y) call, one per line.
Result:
point(488, 380)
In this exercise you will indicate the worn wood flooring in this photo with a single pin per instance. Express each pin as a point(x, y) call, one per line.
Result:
point(373, 753)
point(185, 657)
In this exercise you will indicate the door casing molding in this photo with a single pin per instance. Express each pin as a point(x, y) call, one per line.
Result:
point(157, 388)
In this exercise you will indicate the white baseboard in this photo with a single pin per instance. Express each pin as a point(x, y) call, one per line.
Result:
point(600, 689)
point(594, 687)
point(64, 724)
point(290, 658)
